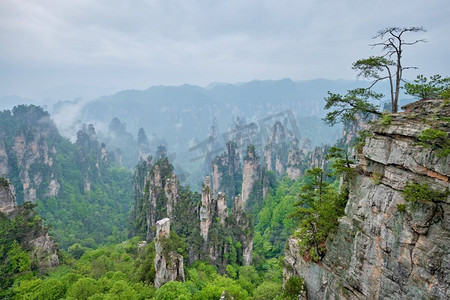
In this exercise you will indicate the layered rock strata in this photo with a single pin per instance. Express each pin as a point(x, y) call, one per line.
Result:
point(385, 247)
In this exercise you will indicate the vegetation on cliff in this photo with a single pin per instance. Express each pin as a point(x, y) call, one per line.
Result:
point(389, 66)
point(17, 231)
point(84, 198)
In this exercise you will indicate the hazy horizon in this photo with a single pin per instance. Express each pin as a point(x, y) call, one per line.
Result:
point(54, 49)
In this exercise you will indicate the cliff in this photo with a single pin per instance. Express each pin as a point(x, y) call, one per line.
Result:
point(393, 242)
point(221, 231)
point(26, 155)
point(22, 225)
point(252, 177)
point(168, 264)
point(50, 171)
point(276, 149)
point(155, 194)
point(201, 220)
point(285, 154)
point(227, 173)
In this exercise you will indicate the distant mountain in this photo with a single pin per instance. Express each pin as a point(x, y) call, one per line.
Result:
point(181, 117)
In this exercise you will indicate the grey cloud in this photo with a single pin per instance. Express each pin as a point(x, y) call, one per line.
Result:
point(134, 44)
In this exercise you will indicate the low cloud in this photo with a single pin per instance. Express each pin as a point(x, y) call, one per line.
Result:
point(136, 44)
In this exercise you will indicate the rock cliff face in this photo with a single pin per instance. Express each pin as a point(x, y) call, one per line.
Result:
point(202, 220)
point(227, 174)
point(216, 224)
point(295, 161)
point(143, 145)
point(285, 154)
point(168, 265)
point(206, 209)
point(7, 197)
point(243, 135)
point(26, 151)
point(386, 247)
point(43, 250)
point(92, 155)
point(245, 233)
point(276, 149)
point(317, 158)
point(251, 175)
point(155, 193)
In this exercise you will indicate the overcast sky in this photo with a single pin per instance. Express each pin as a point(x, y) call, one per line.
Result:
point(90, 47)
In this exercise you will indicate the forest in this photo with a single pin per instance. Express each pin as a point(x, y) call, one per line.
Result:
point(99, 243)
point(116, 269)
point(277, 206)
point(103, 217)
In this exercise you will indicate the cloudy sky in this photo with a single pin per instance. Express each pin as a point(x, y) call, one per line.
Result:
point(65, 49)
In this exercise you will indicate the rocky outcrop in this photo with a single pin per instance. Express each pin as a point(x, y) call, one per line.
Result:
point(31, 150)
point(143, 145)
point(243, 135)
point(305, 145)
point(296, 160)
point(168, 264)
point(222, 209)
point(44, 250)
point(251, 174)
point(103, 153)
point(215, 225)
point(202, 220)
point(92, 155)
point(155, 196)
point(227, 174)
point(317, 158)
point(276, 149)
point(245, 232)
point(385, 247)
point(4, 167)
point(206, 209)
point(7, 196)
point(87, 138)
point(224, 231)
point(26, 156)
point(34, 238)
point(53, 188)
point(286, 154)
point(171, 191)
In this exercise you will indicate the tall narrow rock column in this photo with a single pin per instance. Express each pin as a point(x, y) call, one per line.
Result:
point(250, 174)
point(168, 265)
point(245, 230)
point(205, 209)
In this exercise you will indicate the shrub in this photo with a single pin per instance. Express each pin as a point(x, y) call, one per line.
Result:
point(401, 207)
point(437, 139)
point(414, 192)
point(294, 287)
point(385, 119)
point(436, 87)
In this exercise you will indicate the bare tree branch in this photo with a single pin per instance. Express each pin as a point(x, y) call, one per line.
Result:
point(409, 68)
point(376, 81)
point(415, 42)
point(393, 47)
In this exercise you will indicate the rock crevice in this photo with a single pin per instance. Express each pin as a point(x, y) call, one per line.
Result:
point(385, 247)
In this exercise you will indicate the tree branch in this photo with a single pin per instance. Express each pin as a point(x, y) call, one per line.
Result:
point(415, 42)
point(377, 80)
point(409, 68)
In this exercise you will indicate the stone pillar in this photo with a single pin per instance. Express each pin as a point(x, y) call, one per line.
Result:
point(168, 265)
